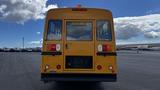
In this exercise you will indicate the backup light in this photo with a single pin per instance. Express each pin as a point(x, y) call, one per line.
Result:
point(58, 47)
point(100, 48)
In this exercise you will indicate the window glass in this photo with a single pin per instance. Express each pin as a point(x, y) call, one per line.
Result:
point(103, 30)
point(79, 30)
point(54, 30)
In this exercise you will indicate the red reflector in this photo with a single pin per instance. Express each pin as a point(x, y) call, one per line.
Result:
point(99, 67)
point(106, 47)
point(51, 47)
point(58, 66)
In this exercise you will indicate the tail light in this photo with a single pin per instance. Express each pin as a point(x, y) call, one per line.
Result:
point(104, 47)
point(53, 47)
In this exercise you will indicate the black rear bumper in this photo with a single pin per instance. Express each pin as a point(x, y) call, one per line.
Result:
point(79, 77)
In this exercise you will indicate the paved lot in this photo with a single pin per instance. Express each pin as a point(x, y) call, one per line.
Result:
point(20, 71)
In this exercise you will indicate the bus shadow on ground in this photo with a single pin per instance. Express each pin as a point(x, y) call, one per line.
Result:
point(78, 86)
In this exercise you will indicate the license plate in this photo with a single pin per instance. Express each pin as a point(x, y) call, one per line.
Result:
point(79, 62)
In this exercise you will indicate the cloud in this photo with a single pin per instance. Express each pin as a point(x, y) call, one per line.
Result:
point(38, 33)
point(20, 11)
point(152, 34)
point(127, 31)
point(36, 42)
point(147, 26)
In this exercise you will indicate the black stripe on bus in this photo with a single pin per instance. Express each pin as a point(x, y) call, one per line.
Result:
point(98, 53)
point(106, 53)
point(51, 53)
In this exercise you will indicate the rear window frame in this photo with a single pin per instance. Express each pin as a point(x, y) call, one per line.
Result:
point(51, 20)
point(110, 26)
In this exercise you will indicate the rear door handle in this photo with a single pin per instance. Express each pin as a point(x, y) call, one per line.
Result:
point(66, 46)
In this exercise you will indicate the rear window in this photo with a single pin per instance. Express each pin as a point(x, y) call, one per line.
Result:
point(103, 30)
point(54, 30)
point(79, 30)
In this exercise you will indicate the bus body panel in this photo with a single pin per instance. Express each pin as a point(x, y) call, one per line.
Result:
point(78, 48)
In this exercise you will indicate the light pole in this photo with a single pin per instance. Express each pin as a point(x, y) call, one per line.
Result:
point(23, 42)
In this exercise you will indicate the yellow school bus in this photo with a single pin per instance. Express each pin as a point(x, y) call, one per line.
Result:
point(79, 45)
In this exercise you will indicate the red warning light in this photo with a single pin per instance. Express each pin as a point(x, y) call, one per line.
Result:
point(79, 6)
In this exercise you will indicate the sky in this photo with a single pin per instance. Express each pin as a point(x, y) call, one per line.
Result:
point(136, 21)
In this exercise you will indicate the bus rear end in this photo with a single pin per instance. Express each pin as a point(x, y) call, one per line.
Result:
point(79, 45)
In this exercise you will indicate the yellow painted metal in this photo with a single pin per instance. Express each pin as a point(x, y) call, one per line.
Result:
point(83, 48)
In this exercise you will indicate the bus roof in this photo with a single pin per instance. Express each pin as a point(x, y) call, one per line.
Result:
point(71, 8)
point(79, 13)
